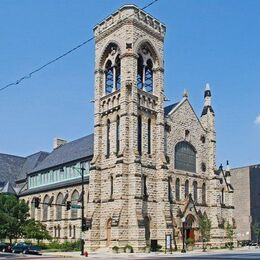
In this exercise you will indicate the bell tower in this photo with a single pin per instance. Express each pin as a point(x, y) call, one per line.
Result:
point(127, 178)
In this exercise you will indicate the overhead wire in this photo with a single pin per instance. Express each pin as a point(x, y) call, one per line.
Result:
point(29, 75)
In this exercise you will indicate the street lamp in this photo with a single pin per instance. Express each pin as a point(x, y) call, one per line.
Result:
point(183, 220)
point(81, 172)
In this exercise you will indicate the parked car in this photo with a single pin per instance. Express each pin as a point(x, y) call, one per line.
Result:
point(26, 248)
point(6, 247)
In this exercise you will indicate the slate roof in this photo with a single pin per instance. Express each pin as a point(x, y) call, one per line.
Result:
point(68, 152)
point(10, 167)
point(169, 108)
point(8, 188)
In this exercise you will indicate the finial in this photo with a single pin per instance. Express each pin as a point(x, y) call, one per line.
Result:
point(185, 93)
point(227, 167)
point(207, 87)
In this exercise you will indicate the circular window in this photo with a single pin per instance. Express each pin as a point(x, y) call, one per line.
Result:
point(203, 167)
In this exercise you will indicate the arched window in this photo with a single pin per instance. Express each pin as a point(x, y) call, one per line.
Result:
point(195, 191)
point(144, 184)
point(149, 136)
point(169, 190)
point(118, 73)
point(145, 70)
point(74, 231)
point(59, 207)
point(111, 186)
point(223, 196)
point(108, 138)
point(109, 77)
point(139, 135)
point(203, 193)
point(186, 189)
point(58, 229)
point(117, 134)
point(45, 208)
point(177, 188)
point(185, 157)
point(70, 231)
point(74, 200)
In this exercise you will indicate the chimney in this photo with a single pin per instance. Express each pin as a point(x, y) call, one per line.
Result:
point(57, 142)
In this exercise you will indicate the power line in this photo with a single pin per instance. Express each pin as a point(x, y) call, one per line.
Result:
point(29, 75)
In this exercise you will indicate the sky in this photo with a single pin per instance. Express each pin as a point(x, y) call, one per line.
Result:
point(206, 41)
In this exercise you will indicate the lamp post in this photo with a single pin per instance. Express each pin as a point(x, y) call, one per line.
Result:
point(81, 171)
point(183, 235)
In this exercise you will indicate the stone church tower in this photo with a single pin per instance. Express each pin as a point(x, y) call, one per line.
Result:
point(140, 186)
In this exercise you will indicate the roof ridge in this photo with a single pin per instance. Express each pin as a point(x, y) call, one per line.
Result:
point(18, 156)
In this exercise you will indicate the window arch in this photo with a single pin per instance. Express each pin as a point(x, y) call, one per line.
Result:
point(185, 157)
point(74, 200)
point(117, 134)
point(145, 69)
point(186, 188)
point(45, 208)
point(108, 138)
point(139, 135)
point(149, 136)
point(203, 193)
point(177, 187)
point(195, 191)
point(59, 207)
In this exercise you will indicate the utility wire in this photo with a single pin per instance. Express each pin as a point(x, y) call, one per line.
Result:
point(29, 75)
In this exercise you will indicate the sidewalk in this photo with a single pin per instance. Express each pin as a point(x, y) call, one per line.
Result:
point(108, 255)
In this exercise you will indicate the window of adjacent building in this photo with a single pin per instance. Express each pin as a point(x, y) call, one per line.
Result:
point(203, 193)
point(195, 191)
point(149, 136)
point(139, 135)
point(117, 134)
point(177, 188)
point(108, 138)
point(74, 200)
point(45, 208)
point(185, 157)
point(59, 207)
point(186, 188)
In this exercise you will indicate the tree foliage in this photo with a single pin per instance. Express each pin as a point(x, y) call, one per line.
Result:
point(205, 228)
point(230, 234)
point(13, 217)
point(36, 230)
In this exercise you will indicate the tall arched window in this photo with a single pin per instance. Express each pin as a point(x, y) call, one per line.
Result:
point(45, 208)
point(74, 200)
point(177, 188)
point(186, 189)
point(111, 186)
point(117, 134)
point(195, 191)
point(118, 73)
point(59, 207)
point(145, 70)
point(149, 136)
point(139, 135)
point(108, 138)
point(223, 196)
point(170, 198)
point(203, 193)
point(109, 77)
point(185, 157)
point(144, 186)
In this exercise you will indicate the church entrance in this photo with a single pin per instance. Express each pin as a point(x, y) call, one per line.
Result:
point(109, 224)
point(189, 229)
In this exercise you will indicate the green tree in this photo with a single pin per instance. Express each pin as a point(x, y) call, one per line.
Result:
point(205, 228)
point(36, 230)
point(230, 235)
point(13, 216)
point(256, 230)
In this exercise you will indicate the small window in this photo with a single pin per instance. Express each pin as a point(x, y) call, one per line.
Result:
point(203, 167)
point(139, 135)
point(223, 196)
point(177, 195)
point(117, 134)
point(149, 136)
point(186, 188)
point(144, 178)
point(195, 191)
point(203, 139)
point(108, 138)
point(111, 186)
point(170, 198)
point(204, 193)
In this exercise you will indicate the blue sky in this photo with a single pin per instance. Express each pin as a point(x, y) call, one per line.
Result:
point(206, 41)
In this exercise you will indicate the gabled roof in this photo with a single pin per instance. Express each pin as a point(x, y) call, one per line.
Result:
point(169, 108)
point(8, 189)
point(10, 167)
point(72, 151)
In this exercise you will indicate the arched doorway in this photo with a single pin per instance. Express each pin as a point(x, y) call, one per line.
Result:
point(147, 230)
point(109, 224)
point(189, 229)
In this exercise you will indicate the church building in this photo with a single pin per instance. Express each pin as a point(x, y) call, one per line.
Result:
point(151, 168)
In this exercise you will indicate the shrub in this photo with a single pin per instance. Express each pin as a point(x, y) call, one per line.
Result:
point(64, 247)
point(128, 248)
point(115, 249)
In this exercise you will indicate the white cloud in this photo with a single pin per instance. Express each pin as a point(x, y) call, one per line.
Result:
point(257, 120)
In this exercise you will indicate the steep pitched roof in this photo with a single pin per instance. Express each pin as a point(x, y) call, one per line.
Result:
point(68, 152)
point(8, 188)
point(169, 108)
point(10, 167)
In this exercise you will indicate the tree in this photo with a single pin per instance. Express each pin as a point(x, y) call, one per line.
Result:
point(36, 230)
point(256, 230)
point(205, 228)
point(230, 235)
point(13, 216)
